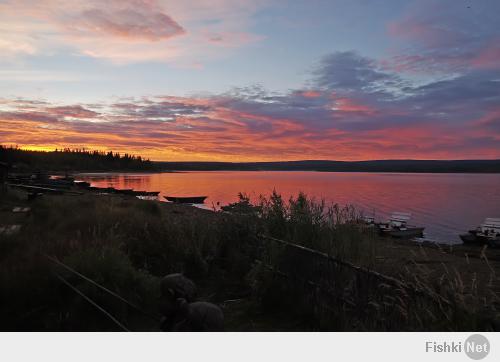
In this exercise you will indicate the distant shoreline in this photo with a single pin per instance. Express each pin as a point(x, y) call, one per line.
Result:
point(389, 166)
point(18, 160)
point(187, 171)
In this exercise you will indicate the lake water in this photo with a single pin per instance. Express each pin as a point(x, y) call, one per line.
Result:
point(446, 204)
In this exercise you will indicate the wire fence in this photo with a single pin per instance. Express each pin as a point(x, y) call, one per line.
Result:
point(338, 294)
point(344, 296)
point(91, 301)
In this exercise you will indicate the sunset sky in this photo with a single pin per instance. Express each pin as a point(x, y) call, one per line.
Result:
point(251, 80)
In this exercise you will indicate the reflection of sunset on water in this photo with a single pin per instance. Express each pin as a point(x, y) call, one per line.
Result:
point(445, 203)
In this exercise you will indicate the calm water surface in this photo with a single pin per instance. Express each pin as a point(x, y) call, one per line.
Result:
point(446, 204)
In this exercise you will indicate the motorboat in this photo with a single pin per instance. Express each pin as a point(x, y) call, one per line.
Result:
point(397, 226)
point(488, 233)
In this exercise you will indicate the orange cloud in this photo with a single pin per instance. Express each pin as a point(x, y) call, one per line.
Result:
point(309, 94)
point(350, 105)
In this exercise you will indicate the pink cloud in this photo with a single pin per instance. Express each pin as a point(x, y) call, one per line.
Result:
point(443, 36)
point(182, 128)
point(351, 105)
point(135, 20)
point(488, 57)
point(490, 121)
point(128, 31)
point(309, 94)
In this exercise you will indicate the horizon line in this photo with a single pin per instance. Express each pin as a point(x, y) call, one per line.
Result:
point(244, 162)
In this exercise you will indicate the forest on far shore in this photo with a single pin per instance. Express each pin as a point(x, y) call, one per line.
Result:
point(91, 160)
point(73, 160)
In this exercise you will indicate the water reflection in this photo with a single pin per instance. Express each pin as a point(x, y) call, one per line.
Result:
point(446, 204)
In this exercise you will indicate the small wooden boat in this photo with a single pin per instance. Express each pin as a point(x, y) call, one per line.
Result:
point(186, 199)
point(488, 233)
point(146, 193)
point(105, 190)
point(398, 227)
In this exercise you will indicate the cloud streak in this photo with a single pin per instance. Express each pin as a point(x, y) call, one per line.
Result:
point(351, 110)
point(443, 36)
point(434, 96)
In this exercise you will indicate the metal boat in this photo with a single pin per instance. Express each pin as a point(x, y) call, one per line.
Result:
point(186, 199)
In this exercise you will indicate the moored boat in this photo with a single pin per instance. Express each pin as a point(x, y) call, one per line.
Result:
point(146, 193)
point(397, 226)
point(82, 184)
point(112, 190)
point(369, 220)
point(186, 199)
point(488, 233)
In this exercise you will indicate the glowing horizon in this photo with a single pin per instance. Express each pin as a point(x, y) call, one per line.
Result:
point(249, 81)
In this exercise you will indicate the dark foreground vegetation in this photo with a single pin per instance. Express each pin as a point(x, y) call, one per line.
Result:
point(73, 159)
point(256, 263)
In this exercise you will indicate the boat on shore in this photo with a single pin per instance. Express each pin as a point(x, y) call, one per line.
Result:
point(146, 193)
point(397, 227)
point(112, 190)
point(369, 221)
point(186, 199)
point(82, 184)
point(488, 233)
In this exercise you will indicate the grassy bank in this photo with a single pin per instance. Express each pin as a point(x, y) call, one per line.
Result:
point(127, 245)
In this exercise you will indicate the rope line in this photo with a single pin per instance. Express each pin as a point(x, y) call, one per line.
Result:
point(58, 262)
point(88, 299)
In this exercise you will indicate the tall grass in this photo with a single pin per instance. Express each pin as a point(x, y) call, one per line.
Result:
point(128, 244)
point(331, 228)
point(331, 295)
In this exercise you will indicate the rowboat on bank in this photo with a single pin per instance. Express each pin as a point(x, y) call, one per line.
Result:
point(186, 199)
point(146, 193)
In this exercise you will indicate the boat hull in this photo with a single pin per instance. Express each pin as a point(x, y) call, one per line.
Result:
point(474, 238)
point(186, 200)
point(405, 233)
point(471, 238)
point(146, 193)
point(494, 243)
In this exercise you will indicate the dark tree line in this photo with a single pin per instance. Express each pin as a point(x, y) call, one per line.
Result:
point(434, 166)
point(73, 160)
